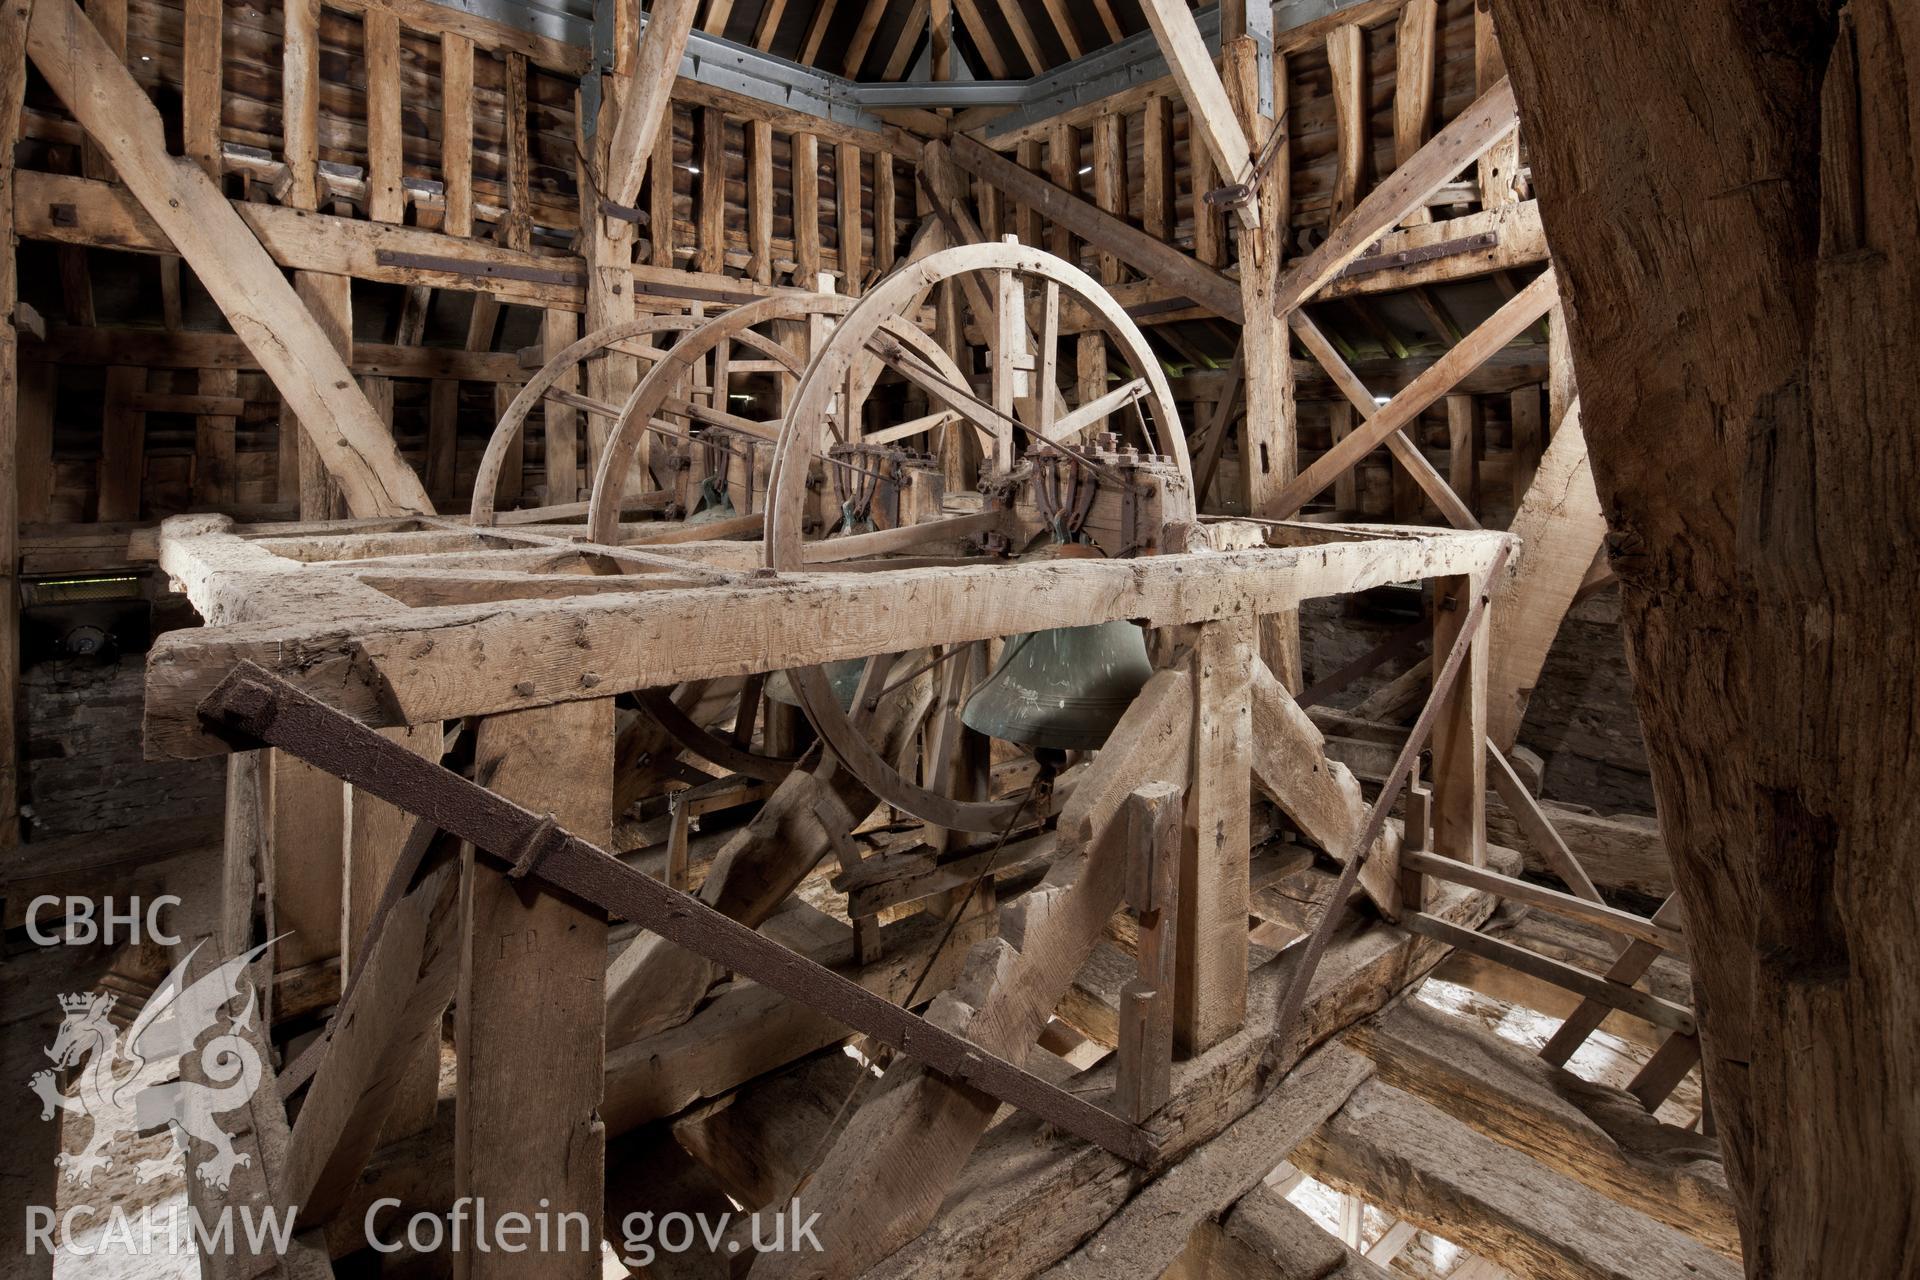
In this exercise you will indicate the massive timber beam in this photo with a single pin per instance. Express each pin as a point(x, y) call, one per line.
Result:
point(1417, 1162)
point(647, 97)
point(70, 210)
point(1759, 482)
point(408, 666)
point(1594, 1134)
point(347, 435)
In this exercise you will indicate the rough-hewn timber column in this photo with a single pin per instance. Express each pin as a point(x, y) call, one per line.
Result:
point(530, 1012)
point(1741, 255)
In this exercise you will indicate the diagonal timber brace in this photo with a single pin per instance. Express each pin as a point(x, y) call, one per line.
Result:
point(257, 705)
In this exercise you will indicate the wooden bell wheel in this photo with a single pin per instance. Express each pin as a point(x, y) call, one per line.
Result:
point(702, 342)
point(627, 338)
point(1042, 474)
point(657, 391)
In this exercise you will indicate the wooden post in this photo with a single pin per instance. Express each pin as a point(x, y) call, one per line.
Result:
point(1110, 184)
point(1347, 64)
point(1460, 732)
point(1146, 1001)
point(214, 478)
point(558, 331)
point(846, 191)
point(386, 201)
point(885, 203)
point(1529, 438)
point(530, 1013)
point(1063, 170)
point(376, 832)
point(456, 132)
point(1414, 58)
point(330, 300)
point(805, 172)
point(1466, 428)
point(1346, 490)
point(760, 201)
point(1269, 441)
point(660, 221)
point(1210, 939)
point(710, 192)
point(308, 846)
point(20, 400)
point(300, 105)
point(1499, 162)
point(200, 76)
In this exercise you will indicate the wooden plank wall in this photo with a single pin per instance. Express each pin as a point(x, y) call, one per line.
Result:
point(384, 111)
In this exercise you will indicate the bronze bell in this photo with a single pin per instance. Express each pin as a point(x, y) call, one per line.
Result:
point(713, 503)
point(844, 676)
point(1063, 688)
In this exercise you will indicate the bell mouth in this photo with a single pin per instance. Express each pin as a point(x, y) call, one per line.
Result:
point(1062, 689)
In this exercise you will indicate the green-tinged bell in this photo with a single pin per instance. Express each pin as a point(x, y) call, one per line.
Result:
point(843, 676)
point(1065, 688)
point(711, 505)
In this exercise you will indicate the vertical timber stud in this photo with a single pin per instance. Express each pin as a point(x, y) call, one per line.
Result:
point(1414, 50)
point(456, 132)
point(308, 846)
point(1459, 781)
point(1500, 161)
point(530, 1018)
point(1270, 430)
point(1347, 64)
point(376, 832)
point(201, 83)
point(1210, 938)
point(386, 202)
point(1146, 1001)
point(760, 201)
point(300, 107)
point(804, 172)
point(330, 300)
point(635, 139)
point(20, 400)
point(558, 331)
point(846, 191)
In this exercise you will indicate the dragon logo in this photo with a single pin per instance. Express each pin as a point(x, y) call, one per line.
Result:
point(130, 1082)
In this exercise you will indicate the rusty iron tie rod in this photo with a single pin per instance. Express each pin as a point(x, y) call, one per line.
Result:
point(1295, 995)
point(253, 704)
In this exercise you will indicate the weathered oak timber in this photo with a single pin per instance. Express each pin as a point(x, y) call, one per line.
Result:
point(1461, 142)
point(1028, 1198)
point(531, 1000)
point(1591, 1133)
point(432, 663)
point(1152, 256)
point(1146, 1236)
point(1413, 1160)
point(1757, 482)
point(356, 447)
point(1561, 528)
